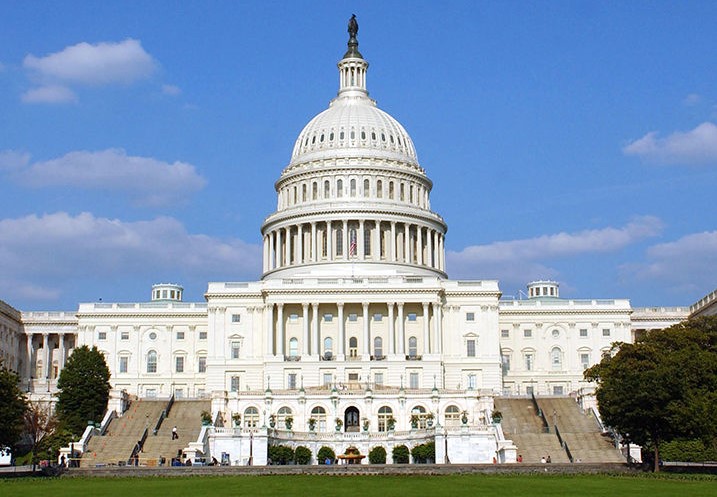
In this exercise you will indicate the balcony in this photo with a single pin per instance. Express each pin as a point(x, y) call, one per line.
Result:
point(292, 358)
point(414, 357)
point(378, 357)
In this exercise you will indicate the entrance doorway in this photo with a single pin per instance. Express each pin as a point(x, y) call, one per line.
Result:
point(351, 419)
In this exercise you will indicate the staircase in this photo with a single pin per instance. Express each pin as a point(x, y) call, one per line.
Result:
point(581, 431)
point(523, 426)
point(186, 416)
point(122, 434)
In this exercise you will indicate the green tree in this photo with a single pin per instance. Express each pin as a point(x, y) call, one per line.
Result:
point(400, 454)
point(662, 387)
point(377, 455)
point(84, 389)
point(302, 455)
point(324, 454)
point(12, 407)
point(40, 424)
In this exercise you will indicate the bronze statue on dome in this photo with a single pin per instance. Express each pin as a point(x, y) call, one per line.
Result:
point(353, 26)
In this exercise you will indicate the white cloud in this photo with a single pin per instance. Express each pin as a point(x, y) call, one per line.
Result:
point(50, 94)
point(147, 180)
point(688, 264)
point(692, 99)
point(99, 64)
point(42, 255)
point(171, 90)
point(697, 146)
point(518, 261)
point(11, 160)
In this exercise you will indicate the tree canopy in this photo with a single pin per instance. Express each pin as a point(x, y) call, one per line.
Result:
point(662, 387)
point(12, 407)
point(84, 389)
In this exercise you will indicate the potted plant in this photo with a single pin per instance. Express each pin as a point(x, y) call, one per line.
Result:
point(464, 417)
point(339, 424)
point(272, 420)
point(288, 421)
point(206, 418)
point(312, 424)
point(429, 419)
point(391, 423)
point(497, 416)
point(366, 423)
point(236, 419)
point(414, 421)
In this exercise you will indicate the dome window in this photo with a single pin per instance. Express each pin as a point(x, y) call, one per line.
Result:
point(313, 139)
point(322, 138)
point(383, 137)
point(373, 136)
point(363, 135)
point(391, 137)
point(331, 136)
point(353, 134)
point(399, 140)
point(341, 135)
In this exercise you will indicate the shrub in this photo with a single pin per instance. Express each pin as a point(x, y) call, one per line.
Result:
point(424, 453)
point(377, 455)
point(325, 453)
point(302, 455)
point(400, 454)
point(687, 451)
point(281, 454)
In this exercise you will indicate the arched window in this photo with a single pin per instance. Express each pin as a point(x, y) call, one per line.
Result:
point(339, 241)
point(328, 346)
point(556, 358)
point(324, 245)
point(367, 239)
point(314, 191)
point(339, 188)
point(453, 416)
point(293, 347)
point(412, 347)
point(385, 414)
point(281, 416)
point(402, 191)
point(390, 190)
point(251, 417)
point(353, 347)
point(366, 188)
point(319, 414)
point(303, 193)
point(152, 362)
point(353, 187)
point(421, 417)
point(379, 189)
point(378, 347)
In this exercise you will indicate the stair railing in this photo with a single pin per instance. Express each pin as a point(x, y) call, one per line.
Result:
point(163, 415)
point(540, 413)
point(138, 447)
point(564, 444)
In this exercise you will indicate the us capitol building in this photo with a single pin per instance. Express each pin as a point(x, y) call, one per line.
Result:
point(354, 331)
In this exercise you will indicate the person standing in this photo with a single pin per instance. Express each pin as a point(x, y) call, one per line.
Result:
point(175, 435)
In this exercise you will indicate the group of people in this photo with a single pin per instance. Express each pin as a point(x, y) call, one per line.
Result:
point(546, 459)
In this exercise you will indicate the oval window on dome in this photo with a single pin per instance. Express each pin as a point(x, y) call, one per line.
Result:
point(331, 136)
point(399, 140)
point(373, 136)
point(341, 135)
point(322, 138)
point(383, 137)
point(306, 142)
point(353, 134)
point(363, 135)
point(391, 137)
point(313, 139)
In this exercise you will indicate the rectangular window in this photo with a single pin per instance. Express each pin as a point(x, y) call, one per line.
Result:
point(413, 381)
point(470, 316)
point(123, 364)
point(236, 318)
point(378, 316)
point(202, 364)
point(557, 390)
point(102, 335)
point(180, 335)
point(505, 359)
point(327, 379)
point(378, 378)
point(353, 377)
point(291, 381)
point(202, 335)
point(606, 332)
point(328, 317)
point(471, 348)
point(234, 386)
point(353, 317)
point(585, 360)
point(412, 316)
point(528, 362)
point(472, 383)
point(179, 364)
point(583, 333)
point(505, 333)
point(527, 333)
point(235, 350)
point(124, 335)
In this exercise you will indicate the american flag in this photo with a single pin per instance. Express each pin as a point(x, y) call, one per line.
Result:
point(352, 245)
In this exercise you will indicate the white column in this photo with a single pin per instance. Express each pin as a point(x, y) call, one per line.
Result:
point(305, 347)
point(314, 246)
point(366, 336)
point(419, 245)
point(442, 255)
point(287, 246)
point(62, 351)
point(279, 251)
point(377, 240)
point(46, 354)
point(342, 330)
point(401, 331)
point(406, 253)
point(329, 241)
point(438, 327)
point(359, 241)
point(391, 329)
point(300, 245)
point(30, 351)
point(429, 247)
point(426, 338)
point(269, 310)
point(265, 259)
point(280, 339)
point(315, 323)
point(392, 248)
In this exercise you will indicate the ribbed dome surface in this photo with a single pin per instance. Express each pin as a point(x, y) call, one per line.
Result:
point(355, 127)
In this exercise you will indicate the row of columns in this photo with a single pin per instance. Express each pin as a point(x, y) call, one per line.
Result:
point(312, 339)
point(314, 242)
point(46, 354)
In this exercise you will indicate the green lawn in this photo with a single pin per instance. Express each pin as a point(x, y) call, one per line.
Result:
point(381, 486)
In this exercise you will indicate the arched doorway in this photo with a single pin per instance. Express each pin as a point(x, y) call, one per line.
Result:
point(352, 419)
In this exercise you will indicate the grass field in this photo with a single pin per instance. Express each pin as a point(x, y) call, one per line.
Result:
point(381, 486)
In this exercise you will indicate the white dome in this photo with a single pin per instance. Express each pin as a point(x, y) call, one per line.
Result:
point(354, 127)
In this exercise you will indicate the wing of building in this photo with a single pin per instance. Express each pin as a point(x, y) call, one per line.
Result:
point(354, 336)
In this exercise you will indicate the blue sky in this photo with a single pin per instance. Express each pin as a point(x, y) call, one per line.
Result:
point(570, 140)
